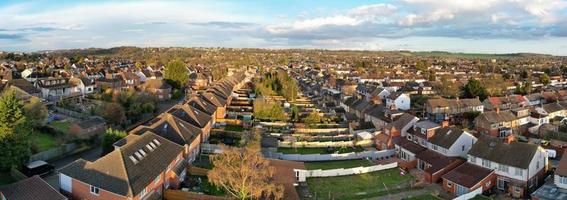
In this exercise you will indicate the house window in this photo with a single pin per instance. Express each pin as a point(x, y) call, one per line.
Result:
point(519, 172)
point(473, 159)
point(95, 190)
point(563, 179)
point(143, 193)
point(463, 148)
point(157, 179)
point(449, 184)
point(503, 168)
point(486, 163)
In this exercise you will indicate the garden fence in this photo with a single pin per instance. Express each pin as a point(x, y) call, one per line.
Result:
point(305, 144)
point(469, 195)
point(302, 175)
point(54, 152)
point(374, 155)
point(71, 113)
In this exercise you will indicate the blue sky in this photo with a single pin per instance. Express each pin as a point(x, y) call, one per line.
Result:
point(479, 26)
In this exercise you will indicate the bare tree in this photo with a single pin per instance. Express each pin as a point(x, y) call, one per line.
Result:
point(244, 174)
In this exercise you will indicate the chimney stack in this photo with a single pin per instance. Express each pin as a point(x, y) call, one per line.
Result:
point(444, 123)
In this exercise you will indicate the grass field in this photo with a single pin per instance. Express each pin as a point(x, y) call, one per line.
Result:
point(209, 188)
point(318, 150)
point(43, 141)
point(338, 164)
point(61, 126)
point(359, 186)
point(235, 128)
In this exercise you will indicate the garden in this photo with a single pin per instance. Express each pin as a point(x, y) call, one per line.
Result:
point(359, 186)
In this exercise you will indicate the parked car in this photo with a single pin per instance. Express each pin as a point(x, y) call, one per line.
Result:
point(39, 167)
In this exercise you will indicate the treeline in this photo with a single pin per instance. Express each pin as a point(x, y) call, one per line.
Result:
point(277, 83)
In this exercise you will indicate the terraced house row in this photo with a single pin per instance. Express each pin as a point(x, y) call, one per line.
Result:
point(155, 155)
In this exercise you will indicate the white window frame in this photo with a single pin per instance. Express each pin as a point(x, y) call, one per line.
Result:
point(95, 190)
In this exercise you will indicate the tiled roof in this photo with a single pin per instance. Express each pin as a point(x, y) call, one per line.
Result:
point(468, 175)
point(33, 188)
point(515, 154)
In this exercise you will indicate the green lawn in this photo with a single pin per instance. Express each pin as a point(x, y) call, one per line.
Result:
point(61, 126)
point(480, 197)
point(43, 141)
point(424, 197)
point(6, 178)
point(338, 164)
point(359, 186)
point(318, 150)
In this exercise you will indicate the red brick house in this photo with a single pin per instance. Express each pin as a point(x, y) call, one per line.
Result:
point(88, 128)
point(467, 178)
point(140, 169)
point(434, 165)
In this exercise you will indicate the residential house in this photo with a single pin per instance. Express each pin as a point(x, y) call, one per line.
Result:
point(129, 79)
point(398, 128)
point(434, 165)
point(496, 123)
point(33, 188)
point(422, 131)
point(140, 169)
point(519, 167)
point(88, 128)
point(23, 89)
point(83, 86)
point(157, 88)
point(398, 100)
point(442, 109)
point(556, 189)
point(467, 178)
point(451, 142)
point(54, 89)
point(505, 102)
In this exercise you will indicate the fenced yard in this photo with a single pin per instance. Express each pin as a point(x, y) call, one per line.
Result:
point(319, 150)
point(338, 164)
point(359, 186)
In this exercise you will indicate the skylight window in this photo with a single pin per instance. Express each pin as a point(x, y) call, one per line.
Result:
point(133, 159)
point(157, 142)
point(149, 147)
point(142, 152)
point(138, 155)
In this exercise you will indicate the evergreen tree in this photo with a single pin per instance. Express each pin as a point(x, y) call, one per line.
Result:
point(176, 74)
point(14, 132)
point(111, 136)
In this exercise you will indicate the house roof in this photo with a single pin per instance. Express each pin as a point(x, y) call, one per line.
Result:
point(515, 154)
point(497, 116)
point(562, 166)
point(468, 175)
point(436, 160)
point(33, 188)
point(410, 146)
point(445, 137)
point(122, 171)
point(401, 122)
point(24, 85)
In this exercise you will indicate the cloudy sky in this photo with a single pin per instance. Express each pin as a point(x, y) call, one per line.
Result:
point(483, 26)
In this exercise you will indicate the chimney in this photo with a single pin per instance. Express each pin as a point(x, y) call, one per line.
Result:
point(444, 123)
point(509, 139)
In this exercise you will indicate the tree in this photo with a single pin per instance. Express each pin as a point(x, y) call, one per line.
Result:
point(544, 79)
point(294, 113)
point(14, 132)
point(244, 174)
point(176, 74)
point(474, 89)
point(35, 112)
point(313, 118)
point(113, 113)
point(111, 136)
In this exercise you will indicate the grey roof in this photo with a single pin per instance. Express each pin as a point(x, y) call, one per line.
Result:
point(515, 154)
point(117, 173)
point(33, 188)
point(445, 137)
point(426, 124)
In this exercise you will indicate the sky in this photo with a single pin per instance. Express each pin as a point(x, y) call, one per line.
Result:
point(471, 26)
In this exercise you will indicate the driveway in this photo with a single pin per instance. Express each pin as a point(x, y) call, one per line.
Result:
point(90, 155)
